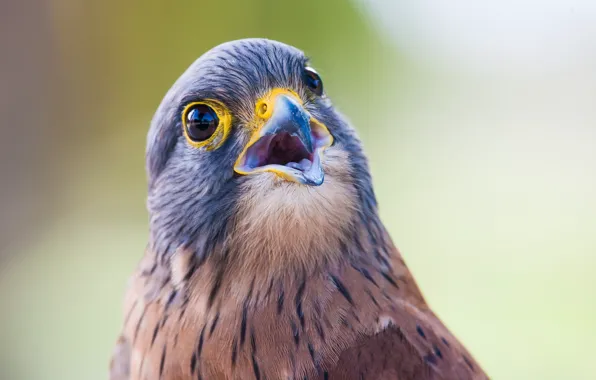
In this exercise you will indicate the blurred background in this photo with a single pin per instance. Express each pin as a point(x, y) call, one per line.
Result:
point(479, 118)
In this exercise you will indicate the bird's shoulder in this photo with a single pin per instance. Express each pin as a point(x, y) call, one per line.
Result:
point(398, 335)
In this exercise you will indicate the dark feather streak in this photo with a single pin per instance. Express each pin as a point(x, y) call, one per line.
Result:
point(164, 320)
point(253, 342)
point(213, 324)
point(165, 282)
point(234, 352)
point(191, 270)
point(430, 358)
point(193, 363)
point(139, 324)
point(201, 340)
point(366, 274)
point(437, 352)
point(215, 288)
point(243, 324)
point(311, 351)
point(171, 299)
point(269, 288)
point(342, 289)
point(163, 361)
point(420, 331)
point(150, 271)
point(390, 279)
point(155, 331)
point(373, 299)
point(280, 301)
point(295, 332)
point(468, 362)
point(255, 368)
point(134, 305)
point(298, 300)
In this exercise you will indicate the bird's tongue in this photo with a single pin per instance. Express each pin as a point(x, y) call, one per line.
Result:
point(314, 173)
point(303, 165)
point(288, 150)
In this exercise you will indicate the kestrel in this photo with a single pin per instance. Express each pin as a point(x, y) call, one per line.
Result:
point(267, 258)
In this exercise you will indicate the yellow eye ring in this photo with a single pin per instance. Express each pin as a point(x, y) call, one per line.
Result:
point(196, 117)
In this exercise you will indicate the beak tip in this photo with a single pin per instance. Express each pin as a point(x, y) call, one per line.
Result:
point(317, 182)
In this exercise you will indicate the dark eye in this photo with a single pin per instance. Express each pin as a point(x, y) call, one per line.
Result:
point(201, 122)
point(313, 80)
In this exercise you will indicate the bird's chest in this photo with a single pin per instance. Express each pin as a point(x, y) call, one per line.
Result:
point(269, 341)
point(274, 329)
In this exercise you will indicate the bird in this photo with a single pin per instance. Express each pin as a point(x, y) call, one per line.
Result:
point(266, 257)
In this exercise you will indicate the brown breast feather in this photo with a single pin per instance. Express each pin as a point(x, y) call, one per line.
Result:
point(350, 321)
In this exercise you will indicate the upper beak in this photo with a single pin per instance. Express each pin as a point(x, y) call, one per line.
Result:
point(289, 116)
point(288, 142)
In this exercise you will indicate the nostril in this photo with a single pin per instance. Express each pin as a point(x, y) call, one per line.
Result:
point(262, 109)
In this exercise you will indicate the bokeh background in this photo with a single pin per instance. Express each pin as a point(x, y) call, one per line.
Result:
point(479, 118)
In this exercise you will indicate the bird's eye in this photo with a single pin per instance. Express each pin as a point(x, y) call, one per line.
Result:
point(313, 80)
point(201, 122)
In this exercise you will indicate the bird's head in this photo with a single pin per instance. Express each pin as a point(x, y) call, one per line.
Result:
point(247, 149)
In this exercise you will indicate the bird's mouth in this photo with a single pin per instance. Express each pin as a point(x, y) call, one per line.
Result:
point(289, 142)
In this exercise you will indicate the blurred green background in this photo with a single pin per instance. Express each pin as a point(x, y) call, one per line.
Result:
point(479, 119)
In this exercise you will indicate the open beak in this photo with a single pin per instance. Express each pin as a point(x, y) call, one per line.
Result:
point(288, 141)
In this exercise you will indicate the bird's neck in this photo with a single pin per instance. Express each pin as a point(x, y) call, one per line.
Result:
point(261, 249)
point(241, 269)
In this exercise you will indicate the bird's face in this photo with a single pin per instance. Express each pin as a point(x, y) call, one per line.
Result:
point(248, 129)
point(284, 138)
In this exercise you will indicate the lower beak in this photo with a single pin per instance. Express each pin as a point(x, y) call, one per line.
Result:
point(289, 143)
